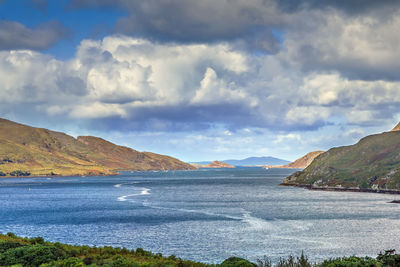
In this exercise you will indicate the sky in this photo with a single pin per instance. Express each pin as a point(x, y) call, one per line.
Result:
point(204, 79)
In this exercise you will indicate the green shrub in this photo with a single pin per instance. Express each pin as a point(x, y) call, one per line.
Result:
point(70, 262)
point(36, 240)
point(351, 262)
point(4, 246)
point(237, 262)
point(33, 255)
point(119, 261)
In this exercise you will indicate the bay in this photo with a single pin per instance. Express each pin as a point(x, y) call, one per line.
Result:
point(206, 215)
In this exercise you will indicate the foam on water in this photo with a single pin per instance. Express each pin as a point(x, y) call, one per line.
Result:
point(145, 191)
point(204, 212)
point(119, 185)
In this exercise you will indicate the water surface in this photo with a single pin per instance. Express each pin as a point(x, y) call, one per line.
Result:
point(205, 215)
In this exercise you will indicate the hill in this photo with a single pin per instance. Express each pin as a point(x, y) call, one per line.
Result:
point(214, 164)
point(396, 128)
point(299, 163)
point(27, 150)
point(372, 163)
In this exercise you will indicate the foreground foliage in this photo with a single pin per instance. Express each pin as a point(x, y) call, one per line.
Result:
point(18, 252)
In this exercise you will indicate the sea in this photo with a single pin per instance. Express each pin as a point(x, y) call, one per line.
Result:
point(206, 215)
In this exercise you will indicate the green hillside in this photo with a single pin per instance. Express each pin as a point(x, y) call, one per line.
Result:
point(374, 162)
point(26, 150)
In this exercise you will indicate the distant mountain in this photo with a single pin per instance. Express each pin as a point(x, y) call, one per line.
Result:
point(252, 161)
point(373, 162)
point(256, 161)
point(27, 150)
point(300, 163)
point(214, 164)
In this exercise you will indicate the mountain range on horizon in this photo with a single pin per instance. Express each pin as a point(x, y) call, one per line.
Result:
point(250, 161)
point(26, 150)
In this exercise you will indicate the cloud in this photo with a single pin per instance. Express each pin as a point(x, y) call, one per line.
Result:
point(359, 47)
point(197, 21)
point(14, 35)
point(136, 84)
point(351, 7)
point(354, 38)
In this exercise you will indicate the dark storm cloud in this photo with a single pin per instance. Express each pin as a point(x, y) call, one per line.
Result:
point(321, 35)
point(209, 20)
point(14, 35)
point(192, 21)
point(349, 6)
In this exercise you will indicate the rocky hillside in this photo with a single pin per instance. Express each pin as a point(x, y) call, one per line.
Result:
point(300, 163)
point(27, 150)
point(374, 162)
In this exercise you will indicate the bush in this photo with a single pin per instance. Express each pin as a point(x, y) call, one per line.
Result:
point(351, 261)
point(237, 262)
point(4, 246)
point(36, 240)
point(2, 173)
point(119, 261)
point(12, 235)
point(33, 255)
point(70, 262)
point(19, 173)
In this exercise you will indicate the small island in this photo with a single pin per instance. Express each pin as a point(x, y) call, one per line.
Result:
point(215, 164)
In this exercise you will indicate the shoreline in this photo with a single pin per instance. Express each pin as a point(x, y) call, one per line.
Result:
point(93, 175)
point(344, 189)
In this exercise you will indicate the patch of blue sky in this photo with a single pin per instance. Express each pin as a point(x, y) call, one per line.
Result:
point(80, 23)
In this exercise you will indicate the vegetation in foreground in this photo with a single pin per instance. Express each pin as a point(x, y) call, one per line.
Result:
point(18, 251)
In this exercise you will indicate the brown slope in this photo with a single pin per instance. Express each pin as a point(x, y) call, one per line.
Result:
point(120, 157)
point(41, 152)
point(396, 128)
point(304, 161)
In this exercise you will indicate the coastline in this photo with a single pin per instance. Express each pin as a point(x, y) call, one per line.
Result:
point(93, 175)
point(344, 189)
